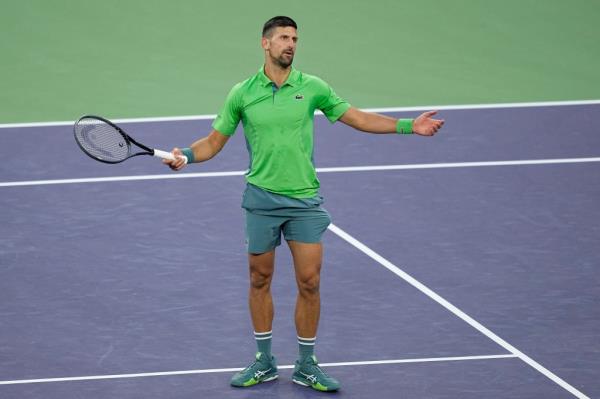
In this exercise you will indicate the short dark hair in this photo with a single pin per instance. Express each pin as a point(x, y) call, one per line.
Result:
point(277, 22)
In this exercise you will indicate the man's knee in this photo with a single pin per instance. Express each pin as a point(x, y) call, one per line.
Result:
point(308, 285)
point(261, 271)
point(260, 280)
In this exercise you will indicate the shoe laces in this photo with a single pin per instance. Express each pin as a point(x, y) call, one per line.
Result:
point(313, 362)
point(256, 360)
point(250, 366)
point(320, 370)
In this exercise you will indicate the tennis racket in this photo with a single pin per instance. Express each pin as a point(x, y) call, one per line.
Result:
point(106, 142)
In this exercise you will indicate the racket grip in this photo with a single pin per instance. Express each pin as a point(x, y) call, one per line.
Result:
point(168, 155)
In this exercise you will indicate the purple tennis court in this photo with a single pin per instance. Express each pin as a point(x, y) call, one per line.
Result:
point(460, 266)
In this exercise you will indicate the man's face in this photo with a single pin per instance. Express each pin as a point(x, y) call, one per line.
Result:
point(281, 45)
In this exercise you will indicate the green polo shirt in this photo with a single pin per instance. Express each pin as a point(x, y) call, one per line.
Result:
point(278, 126)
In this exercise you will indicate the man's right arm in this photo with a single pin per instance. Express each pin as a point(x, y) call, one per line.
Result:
point(203, 149)
point(209, 146)
point(224, 126)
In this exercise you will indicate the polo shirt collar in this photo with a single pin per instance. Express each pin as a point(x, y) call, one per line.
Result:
point(292, 79)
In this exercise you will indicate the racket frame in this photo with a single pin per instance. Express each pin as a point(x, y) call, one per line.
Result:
point(128, 140)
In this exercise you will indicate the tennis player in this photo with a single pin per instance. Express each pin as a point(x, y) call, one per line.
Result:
point(276, 107)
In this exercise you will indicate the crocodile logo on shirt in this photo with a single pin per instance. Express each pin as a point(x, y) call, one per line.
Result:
point(299, 97)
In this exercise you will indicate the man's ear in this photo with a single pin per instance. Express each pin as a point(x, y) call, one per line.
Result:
point(265, 43)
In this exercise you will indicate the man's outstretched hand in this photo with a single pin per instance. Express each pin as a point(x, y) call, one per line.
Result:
point(425, 125)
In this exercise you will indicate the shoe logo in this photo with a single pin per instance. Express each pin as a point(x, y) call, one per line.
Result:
point(312, 378)
point(260, 373)
point(299, 97)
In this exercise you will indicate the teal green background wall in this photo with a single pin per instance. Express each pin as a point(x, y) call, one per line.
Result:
point(135, 58)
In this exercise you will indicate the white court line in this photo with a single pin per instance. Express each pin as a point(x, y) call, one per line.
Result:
point(453, 309)
point(382, 110)
point(120, 178)
point(319, 170)
point(231, 370)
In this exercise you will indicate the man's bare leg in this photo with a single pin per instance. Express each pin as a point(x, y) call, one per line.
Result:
point(307, 264)
point(264, 369)
point(260, 300)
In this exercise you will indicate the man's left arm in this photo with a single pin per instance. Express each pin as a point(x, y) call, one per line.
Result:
point(370, 122)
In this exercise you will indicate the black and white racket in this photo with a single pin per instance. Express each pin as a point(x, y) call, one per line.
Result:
point(106, 142)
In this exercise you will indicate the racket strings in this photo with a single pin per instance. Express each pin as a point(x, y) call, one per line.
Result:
point(101, 140)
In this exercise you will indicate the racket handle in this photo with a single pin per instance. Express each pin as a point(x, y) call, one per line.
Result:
point(168, 155)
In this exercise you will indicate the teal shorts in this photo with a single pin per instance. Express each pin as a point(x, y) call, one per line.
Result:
point(268, 215)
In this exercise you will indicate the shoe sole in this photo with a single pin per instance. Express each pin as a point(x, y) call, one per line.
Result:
point(304, 384)
point(271, 378)
point(295, 381)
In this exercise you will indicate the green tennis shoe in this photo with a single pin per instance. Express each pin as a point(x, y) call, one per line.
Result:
point(308, 373)
point(262, 369)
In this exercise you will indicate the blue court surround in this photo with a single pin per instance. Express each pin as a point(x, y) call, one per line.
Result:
point(145, 276)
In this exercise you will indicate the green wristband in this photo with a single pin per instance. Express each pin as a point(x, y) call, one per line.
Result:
point(404, 126)
point(189, 154)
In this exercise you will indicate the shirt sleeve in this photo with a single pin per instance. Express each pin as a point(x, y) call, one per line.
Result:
point(330, 103)
point(230, 114)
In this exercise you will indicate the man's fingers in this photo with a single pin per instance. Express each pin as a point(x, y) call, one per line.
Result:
point(174, 165)
point(437, 123)
point(427, 126)
point(178, 163)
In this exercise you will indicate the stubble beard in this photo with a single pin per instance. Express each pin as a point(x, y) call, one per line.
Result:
point(283, 62)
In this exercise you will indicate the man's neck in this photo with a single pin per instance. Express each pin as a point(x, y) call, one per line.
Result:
point(276, 73)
